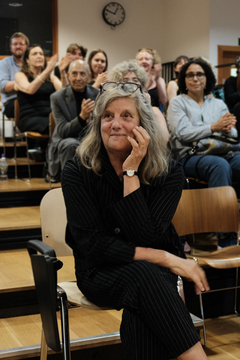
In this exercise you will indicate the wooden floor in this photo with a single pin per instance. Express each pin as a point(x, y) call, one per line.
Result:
point(22, 335)
point(18, 334)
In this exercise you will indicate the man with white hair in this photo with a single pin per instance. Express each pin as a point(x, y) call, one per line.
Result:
point(71, 106)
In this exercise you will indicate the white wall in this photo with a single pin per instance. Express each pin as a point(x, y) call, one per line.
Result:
point(172, 27)
point(81, 21)
point(224, 25)
point(186, 28)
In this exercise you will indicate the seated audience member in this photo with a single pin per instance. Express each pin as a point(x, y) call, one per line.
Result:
point(98, 64)
point(151, 62)
point(231, 91)
point(71, 107)
point(9, 66)
point(127, 252)
point(172, 87)
point(193, 116)
point(130, 71)
point(74, 52)
point(34, 85)
point(232, 95)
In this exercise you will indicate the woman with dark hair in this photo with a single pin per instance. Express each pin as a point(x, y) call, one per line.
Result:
point(193, 116)
point(172, 87)
point(121, 191)
point(98, 64)
point(34, 85)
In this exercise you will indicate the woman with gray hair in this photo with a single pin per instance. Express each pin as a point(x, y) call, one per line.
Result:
point(132, 72)
point(121, 191)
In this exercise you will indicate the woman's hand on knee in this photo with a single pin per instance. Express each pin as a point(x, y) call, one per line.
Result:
point(191, 271)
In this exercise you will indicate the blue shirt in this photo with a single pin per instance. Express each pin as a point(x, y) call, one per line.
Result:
point(8, 69)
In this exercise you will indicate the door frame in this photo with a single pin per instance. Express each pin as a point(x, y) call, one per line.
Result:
point(221, 50)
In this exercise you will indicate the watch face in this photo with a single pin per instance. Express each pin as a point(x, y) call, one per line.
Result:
point(130, 172)
point(113, 14)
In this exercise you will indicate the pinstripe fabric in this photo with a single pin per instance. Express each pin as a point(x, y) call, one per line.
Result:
point(103, 229)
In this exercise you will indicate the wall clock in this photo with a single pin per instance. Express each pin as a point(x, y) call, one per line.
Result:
point(113, 14)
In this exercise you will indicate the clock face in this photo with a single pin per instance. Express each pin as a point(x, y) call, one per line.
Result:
point(113, 14)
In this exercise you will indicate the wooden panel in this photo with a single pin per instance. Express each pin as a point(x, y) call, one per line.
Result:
point(19, 218)
point(55, 26)
point(207, 210)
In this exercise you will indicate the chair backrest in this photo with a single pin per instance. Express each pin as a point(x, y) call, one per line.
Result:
point(51, 125)
point(16, 112)
point(207, 210)
point(53, 221)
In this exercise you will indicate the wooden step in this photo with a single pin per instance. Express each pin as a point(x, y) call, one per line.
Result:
point(11, 143)
point(35, 184)
point(20, 218)
point(23, 161)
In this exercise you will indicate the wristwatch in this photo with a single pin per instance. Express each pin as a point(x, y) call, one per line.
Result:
point(130, 173)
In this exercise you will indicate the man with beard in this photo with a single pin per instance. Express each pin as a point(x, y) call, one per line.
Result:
point(8, 68)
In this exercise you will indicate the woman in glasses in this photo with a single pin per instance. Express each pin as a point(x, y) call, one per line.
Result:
point(121, 191)
point(130, 71)
point(156, 87)
point(193, 116)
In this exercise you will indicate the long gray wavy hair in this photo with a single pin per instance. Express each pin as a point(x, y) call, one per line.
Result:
point(156, 161)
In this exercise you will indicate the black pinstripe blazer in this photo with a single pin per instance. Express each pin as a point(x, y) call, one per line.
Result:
point(104, 227)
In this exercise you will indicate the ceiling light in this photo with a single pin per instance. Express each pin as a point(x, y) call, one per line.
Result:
point(15, 4)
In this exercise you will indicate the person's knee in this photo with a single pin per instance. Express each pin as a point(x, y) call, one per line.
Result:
point(67, 144)
point(219, 172)
point(66, 150)
point(221, 166)
point(150, 277)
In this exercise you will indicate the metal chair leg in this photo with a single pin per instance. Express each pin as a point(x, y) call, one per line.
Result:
point(15, 150)
point(28, 160)
point(65, 327)
point(202, 315)
point(3, 133)
point(236, 294)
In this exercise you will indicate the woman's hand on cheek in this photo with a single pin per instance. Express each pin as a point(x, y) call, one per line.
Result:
point(139, 148)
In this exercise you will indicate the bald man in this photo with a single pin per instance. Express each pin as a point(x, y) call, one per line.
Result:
point(71, 106)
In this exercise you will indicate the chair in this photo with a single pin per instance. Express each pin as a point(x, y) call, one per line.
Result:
point(25, 135)
point(211, 210)
point(52, 296)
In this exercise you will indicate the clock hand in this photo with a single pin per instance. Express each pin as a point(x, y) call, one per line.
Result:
point(116, 10)
point(110, 11)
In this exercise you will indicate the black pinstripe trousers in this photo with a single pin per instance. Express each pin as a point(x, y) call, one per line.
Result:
point(155, 320)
